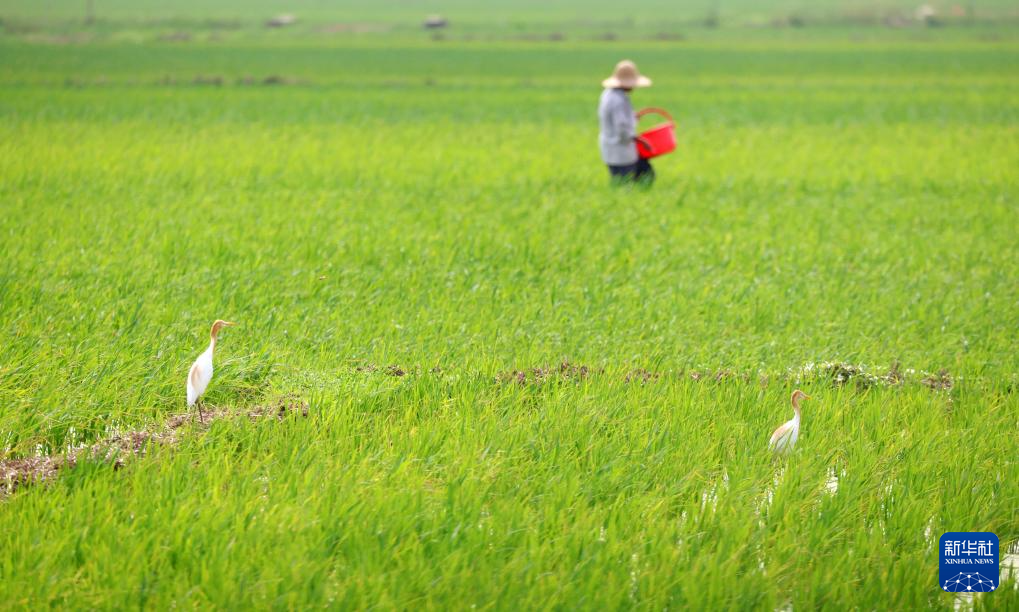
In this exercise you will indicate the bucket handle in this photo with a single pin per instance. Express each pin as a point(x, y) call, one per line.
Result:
point(656, 111)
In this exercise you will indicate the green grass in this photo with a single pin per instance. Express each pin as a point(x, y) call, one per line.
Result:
point(442, 205)
point(187, 22)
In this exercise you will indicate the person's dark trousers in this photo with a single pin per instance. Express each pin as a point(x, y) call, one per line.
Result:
point(640, 172)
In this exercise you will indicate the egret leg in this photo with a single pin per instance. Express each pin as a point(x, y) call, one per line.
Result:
point(201, 414)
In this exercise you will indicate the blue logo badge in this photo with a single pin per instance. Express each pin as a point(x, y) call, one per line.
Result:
point(969, 562)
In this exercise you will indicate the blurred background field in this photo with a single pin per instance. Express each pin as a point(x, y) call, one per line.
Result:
point(524, 388)
point(525, 20)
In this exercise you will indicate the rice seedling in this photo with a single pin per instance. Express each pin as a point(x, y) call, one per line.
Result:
point(469, 371)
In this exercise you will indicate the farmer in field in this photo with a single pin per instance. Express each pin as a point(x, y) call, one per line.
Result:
point(618, 134)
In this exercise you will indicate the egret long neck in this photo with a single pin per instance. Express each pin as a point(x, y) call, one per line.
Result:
point(796, 409)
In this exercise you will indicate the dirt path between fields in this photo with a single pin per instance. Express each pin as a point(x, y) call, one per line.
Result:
point(121, 448)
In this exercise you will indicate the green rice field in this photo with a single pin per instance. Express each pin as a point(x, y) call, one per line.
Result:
point(468, 372)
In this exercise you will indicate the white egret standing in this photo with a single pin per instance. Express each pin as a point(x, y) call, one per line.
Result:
point(785, 436)
point(201, 371)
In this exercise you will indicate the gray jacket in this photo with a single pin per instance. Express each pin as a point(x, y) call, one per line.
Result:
point(618, 125)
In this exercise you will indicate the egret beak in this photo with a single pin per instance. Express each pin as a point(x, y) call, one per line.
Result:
point(805, 396)
point(228, 324)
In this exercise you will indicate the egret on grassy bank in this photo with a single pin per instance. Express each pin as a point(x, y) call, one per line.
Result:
point(201, 371)
point(785, 436)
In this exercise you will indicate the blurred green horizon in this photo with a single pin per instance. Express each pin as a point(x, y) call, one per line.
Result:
point(528, 20)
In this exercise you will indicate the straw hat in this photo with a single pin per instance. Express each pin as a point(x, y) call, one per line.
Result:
point(626, 76)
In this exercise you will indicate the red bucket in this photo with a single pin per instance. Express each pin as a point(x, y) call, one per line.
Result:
point(658, 140)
